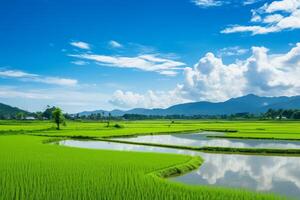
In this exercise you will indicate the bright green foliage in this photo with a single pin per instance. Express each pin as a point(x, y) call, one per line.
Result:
point(30, 169)
point(58, 117)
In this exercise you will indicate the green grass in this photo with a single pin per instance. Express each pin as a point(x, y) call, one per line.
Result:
point(96, 129)
point(30, 169)
point(13, 126)
point(260, 129)
point(244, 129)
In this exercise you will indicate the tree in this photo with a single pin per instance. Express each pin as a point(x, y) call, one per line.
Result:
point(20, 115)
point(296, 115)
point(280, 113)
point(48, 112)
point(108, 120)
point(271, 113)
point(39, 115)
point(58, 117)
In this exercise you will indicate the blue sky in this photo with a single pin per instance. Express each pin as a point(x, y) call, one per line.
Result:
point(94, 54)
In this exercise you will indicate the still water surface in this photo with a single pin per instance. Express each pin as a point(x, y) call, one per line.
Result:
point(201, 139)
point(260, 173)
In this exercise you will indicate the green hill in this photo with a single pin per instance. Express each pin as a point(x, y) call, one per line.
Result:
point(7, 111)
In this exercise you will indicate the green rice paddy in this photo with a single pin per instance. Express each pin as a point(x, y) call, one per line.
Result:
point(33, 169)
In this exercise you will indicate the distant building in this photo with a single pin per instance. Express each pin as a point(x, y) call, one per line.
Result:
point(282, 117)
point(29, 118)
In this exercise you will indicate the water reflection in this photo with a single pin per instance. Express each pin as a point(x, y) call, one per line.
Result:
point(200, 139)
point(261, 173)
point(118, 146)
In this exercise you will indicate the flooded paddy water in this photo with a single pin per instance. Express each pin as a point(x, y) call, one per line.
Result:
point(276, 174)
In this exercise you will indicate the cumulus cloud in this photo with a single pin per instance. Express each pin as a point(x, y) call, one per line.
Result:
point(81, 45)
point(273, 17)
point(115, 44)
point(24, 76)
point(262, 74)
point(152, 99)
point(145, 62)
point(208, 3)
point(210, 79)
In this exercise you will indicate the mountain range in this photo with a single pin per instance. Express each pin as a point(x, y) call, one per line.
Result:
point(246, 104)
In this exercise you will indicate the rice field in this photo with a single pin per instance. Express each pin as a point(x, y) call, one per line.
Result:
point(239, 129)
point(31, 169)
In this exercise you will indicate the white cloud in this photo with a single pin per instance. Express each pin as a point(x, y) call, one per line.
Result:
point(81, 45)
point(249, 2)
point(255, 16)
point(168, 73)
point(216, 3)
point(210, 79)
point(146, 62)
point(6, 92)
point(56, 81)
point(282, 5)
point(115, 44)
point(273, 17)
point(15, 74)
point(24, 76)
point(254, 29)
point(80, 62)
point(71, 100)
point(262, 74)
point(158, 99)
point(232, 51)
point(208, 3)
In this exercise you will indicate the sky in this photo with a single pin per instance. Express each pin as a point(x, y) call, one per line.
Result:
point(96, 54)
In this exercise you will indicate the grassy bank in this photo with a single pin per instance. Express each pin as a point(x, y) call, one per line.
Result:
point(223, 150)
point(179, 169)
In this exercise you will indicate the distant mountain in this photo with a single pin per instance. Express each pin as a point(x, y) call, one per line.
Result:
point(103, 112)
point(7, 111)
point(249, 103)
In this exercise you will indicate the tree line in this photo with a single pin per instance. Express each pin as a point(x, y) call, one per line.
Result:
point(271, 114)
